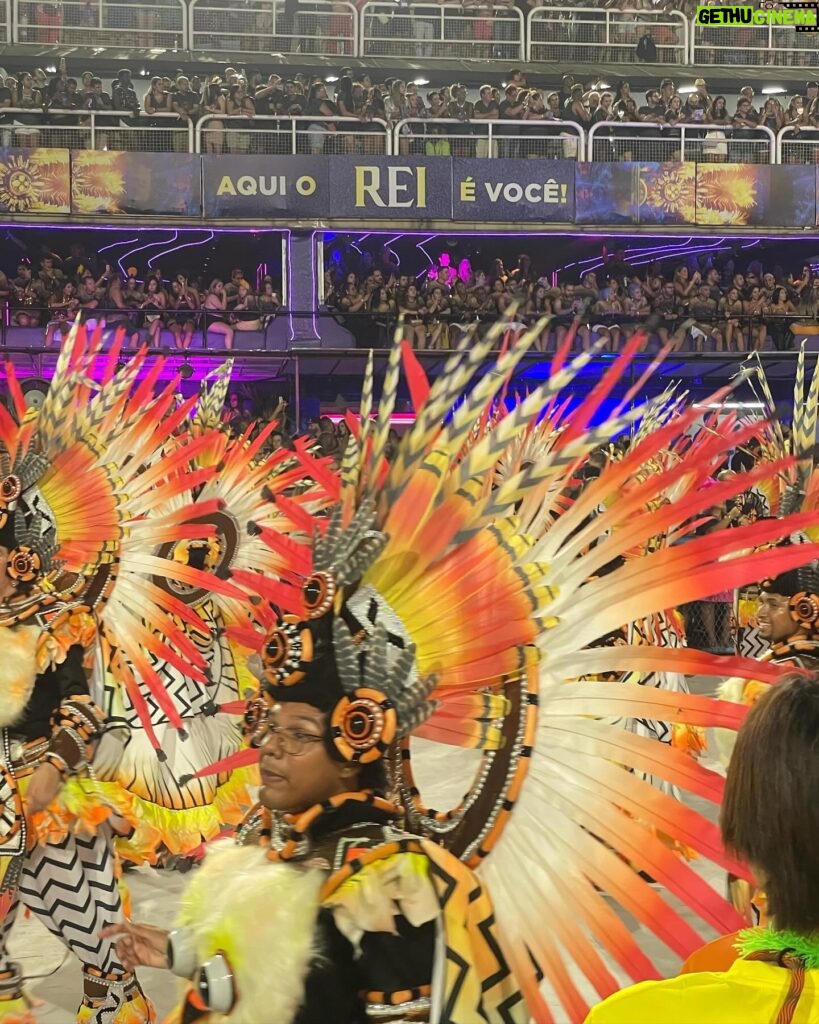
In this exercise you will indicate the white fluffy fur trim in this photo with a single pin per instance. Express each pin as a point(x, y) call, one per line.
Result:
point(732, 690)
point(18, 670)
point(262, 916)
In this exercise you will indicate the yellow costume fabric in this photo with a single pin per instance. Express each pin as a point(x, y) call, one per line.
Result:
point(748, 993)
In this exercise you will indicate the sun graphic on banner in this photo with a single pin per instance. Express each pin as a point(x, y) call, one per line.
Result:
point(21, 184)
point(727, 195)
point(97, 181)
point(671, 192)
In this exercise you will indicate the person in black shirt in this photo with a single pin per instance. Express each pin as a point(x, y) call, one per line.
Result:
point(652, 109)
point(511, 108)
point(123, 95)
point(486, 109)
point(184, 101)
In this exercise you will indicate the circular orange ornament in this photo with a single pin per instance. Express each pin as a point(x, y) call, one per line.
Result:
point(286, 648)
point(363, 725)
point(11, 488)
point(804, 608)
point(23, 564)
point(319, 592)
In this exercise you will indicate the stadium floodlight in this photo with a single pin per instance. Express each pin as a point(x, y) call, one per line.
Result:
point(773, 90)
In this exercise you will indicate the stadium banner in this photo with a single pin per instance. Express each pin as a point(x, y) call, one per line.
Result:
point(35, 181)
point(266, 186)
point(635, 193)
point(762, 195)
point(513, 190)
point(135, 183)
point(390, 188)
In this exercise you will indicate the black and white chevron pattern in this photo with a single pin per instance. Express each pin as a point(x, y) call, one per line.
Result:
point(72, 888)
point(188, 697)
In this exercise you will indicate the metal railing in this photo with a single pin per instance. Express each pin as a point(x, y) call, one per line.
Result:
point(797, 145)
point(753, 45)
point(595, 36)
point(160, 24)
point(704, 143)
point(316, 27)
point(120, 130)
point(482, 31)
point(291, 135)
point(545, 140)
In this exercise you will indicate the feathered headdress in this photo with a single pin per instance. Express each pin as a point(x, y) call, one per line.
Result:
point(423, 609)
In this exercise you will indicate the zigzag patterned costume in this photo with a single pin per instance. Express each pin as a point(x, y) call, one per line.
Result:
point(420, 609)
point(147, 751)
point(80, 479)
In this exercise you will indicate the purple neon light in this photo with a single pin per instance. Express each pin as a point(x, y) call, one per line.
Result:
point(420, 245)
point(142, 248)
point(313, 284)
point(290, 326)
point(113, 245)
point(612, 231)
point(184, 245)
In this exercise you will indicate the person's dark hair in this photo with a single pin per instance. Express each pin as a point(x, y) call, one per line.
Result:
point(374, 776)
point(770, 814)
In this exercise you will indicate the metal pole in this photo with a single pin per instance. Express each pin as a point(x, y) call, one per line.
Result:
point(297, 384)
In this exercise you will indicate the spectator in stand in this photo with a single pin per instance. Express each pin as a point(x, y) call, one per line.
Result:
point(214, 104)
point(772, 115)
point(49, 277)
point(244, 311)
point(622, 94)
point(156, 101)
point(184, 101)
point(461, 110)
point(123, 95)
point(63, 306)
point(605, 112)
point(320, 106)
point(25, 297)
point(327, 437)
point(694, 108)
point(412, 308)
point(486, 109)
point(576, 110)
point(779, 307)
point(748, 93)
point(718, 113)
point(745, 116)
point(240, 110)
point(701, 89)
point(731, 309)
point(511, 109)
point(652, 110)
point(154, 305)
point(268, 300)
point(215, 319)
point(395, 103)
point(183, 305)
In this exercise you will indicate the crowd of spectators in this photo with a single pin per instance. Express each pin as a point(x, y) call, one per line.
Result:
point(351, 111)
point(694, 307)
point(51, 292)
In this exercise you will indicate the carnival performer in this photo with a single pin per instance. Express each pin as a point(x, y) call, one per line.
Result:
point(145, 752)
point(425, 612)
point(77, 476)
point(51, 728)
point(769, 818)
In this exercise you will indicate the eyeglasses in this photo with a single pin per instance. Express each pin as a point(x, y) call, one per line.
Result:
point(294, 742)
point(260, 726)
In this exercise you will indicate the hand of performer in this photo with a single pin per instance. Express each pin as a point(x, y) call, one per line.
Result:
point(43, 788)
point(138, 945)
